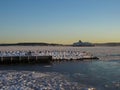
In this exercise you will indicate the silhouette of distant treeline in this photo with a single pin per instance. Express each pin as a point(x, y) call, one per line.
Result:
point(107, 44)
point(31, 44)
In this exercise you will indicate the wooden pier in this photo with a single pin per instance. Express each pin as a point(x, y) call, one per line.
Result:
point(25, 59)
point(36, 59)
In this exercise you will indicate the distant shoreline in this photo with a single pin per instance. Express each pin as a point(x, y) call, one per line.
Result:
point(53, 44)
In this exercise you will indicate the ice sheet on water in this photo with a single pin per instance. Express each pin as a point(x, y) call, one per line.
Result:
point(104, 53)
point(30, 80)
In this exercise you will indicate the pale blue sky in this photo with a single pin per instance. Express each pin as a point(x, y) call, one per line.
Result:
point(59, 21)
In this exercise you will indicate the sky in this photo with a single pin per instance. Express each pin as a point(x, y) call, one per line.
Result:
point(59, 21)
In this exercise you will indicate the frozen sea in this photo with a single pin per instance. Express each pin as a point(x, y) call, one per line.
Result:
point(103, 74)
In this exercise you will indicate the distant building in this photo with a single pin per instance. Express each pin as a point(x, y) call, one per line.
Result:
point(80, 43)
